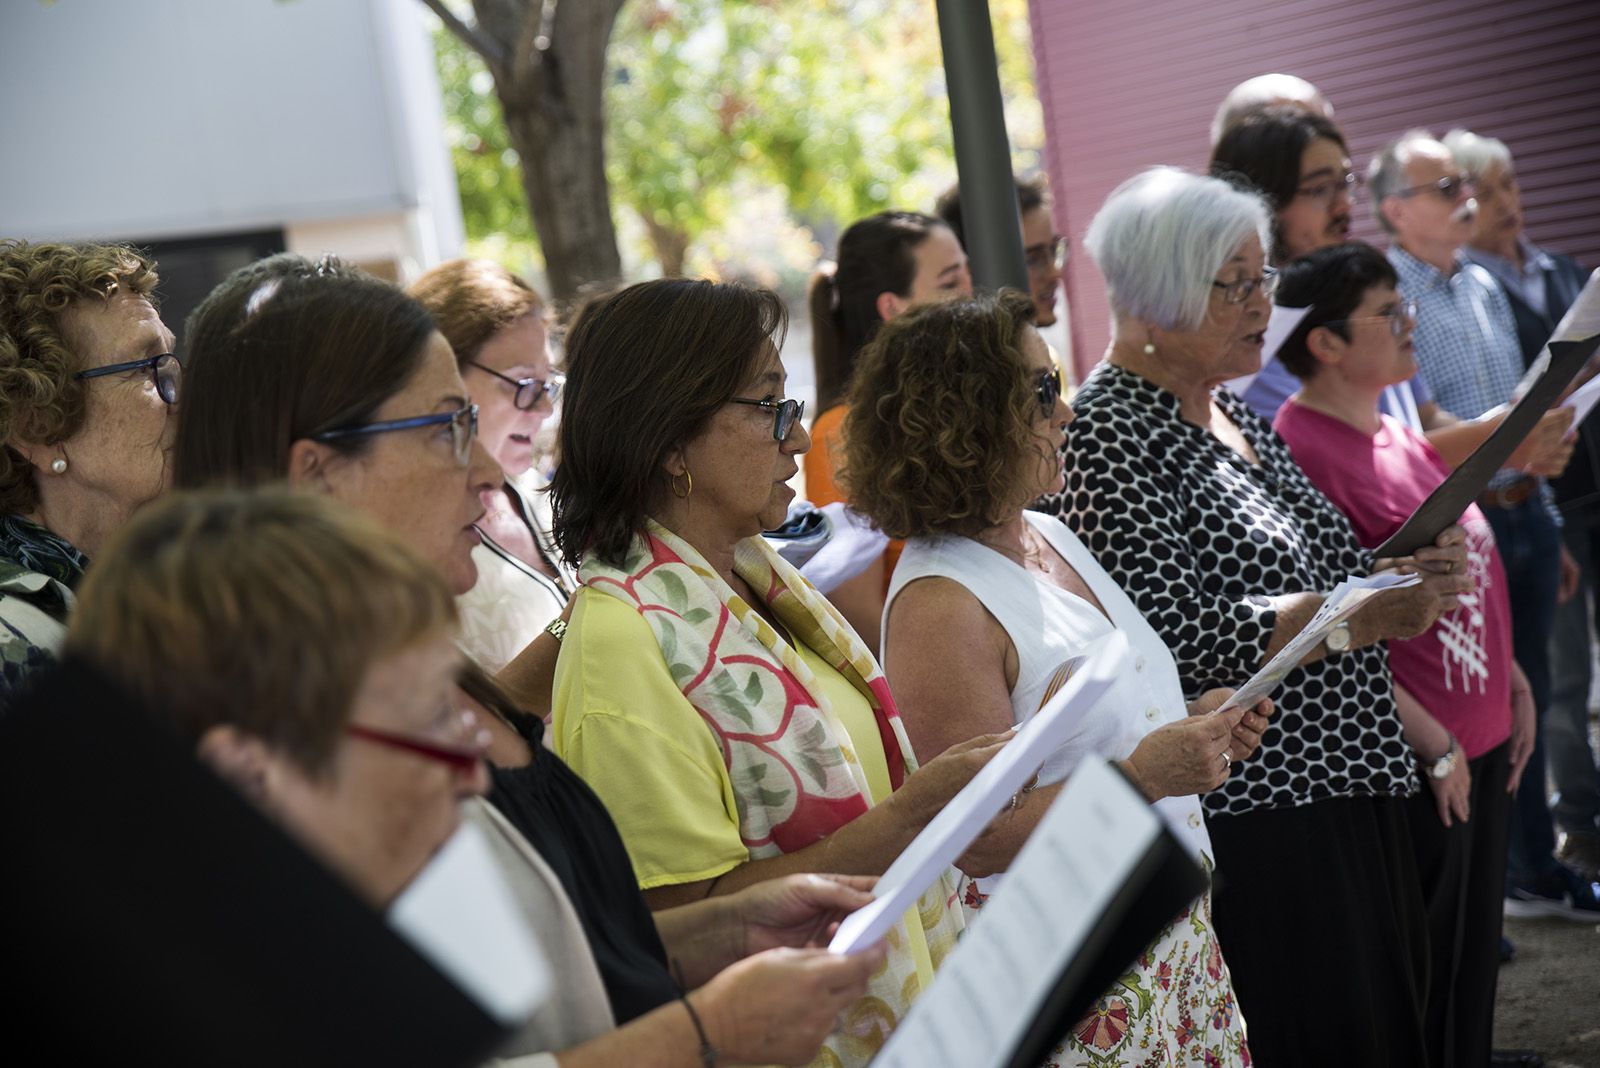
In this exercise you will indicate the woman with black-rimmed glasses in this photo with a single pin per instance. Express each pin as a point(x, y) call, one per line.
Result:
point(88, 383)
point(495, 322)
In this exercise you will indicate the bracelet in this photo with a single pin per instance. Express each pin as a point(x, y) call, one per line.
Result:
point(708, 1052)
point(557, 628)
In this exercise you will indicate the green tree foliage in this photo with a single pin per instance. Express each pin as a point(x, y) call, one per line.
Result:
point(839, 104)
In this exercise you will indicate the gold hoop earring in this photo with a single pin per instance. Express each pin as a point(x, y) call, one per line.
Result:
point(688, 485)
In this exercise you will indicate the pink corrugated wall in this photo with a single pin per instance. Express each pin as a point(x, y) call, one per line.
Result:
point(1129, 84)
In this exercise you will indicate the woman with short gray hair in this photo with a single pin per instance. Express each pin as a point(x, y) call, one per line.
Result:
point(1198, 511)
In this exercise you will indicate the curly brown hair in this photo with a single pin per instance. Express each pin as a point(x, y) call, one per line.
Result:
point(941, 418)
point(40, 400)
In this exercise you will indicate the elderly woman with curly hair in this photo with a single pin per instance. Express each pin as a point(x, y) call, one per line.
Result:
point(88, 384)
point(733, 722)
point(955, 423)
point(1198, 511)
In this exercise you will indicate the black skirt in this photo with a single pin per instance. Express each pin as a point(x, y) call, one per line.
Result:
point(1320, 914)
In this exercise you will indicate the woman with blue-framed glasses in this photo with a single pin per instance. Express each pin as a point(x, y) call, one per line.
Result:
point(88, 386)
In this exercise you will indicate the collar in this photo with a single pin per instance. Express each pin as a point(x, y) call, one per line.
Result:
point(1417, 276)
point(30, 547)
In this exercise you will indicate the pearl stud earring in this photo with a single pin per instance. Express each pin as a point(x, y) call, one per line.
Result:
point(58, 465)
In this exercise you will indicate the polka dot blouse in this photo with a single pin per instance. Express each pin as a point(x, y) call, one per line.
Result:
point(1200, 538)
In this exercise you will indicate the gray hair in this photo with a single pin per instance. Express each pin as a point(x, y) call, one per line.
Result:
point(1266, 89)
point(1161, 236)
point(1386, 174)
point(1475, 153)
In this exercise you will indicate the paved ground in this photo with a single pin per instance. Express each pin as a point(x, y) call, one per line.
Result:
point(1550, 995)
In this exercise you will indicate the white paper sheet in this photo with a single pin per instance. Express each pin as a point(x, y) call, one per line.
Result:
point(1279, 326)
point(1583, 400)
point(949, 833)
point(1581, 321)
point(1338, 606)
point(459, 914)
point(995, 981)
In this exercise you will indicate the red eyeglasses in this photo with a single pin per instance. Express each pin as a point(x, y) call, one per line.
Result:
point(459, 758)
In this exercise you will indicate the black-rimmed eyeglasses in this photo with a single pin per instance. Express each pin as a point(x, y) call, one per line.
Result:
point(1237, 292)
point(166, 371)
point(785, 414)
point(1047, 390)
point(1329, 188)
point(463, 424)
point(1449, 187)
point(528, 390)
point(1403, 316)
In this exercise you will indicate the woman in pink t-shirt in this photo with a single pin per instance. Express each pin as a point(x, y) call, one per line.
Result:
point(1465, 706)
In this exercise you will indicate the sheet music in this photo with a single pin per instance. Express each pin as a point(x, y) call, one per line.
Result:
point(949, 833)
point(995, 981)
point(459, 914)
point(1581, 322)
point(1338, 606)
point(1279, 326)
point(1583, 400)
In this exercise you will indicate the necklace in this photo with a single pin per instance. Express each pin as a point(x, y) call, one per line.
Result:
point(1032, 553)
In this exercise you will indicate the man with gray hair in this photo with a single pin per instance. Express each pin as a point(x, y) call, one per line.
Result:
point(1468, 353)
point(1263, 90)
point(1540, 287)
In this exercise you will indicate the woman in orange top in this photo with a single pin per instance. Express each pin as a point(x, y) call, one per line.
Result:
point(886, 263)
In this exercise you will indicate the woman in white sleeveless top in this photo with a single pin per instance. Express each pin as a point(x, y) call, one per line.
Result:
point(955, 423)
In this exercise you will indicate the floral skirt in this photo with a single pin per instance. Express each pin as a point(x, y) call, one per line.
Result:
point(1175, 1007)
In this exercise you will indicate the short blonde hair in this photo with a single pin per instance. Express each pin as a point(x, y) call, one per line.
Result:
point(261, 609)
point(40, 400)
point(941, 418)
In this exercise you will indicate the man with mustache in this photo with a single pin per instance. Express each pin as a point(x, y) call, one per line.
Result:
point(1468, 354)
point(1541, 286)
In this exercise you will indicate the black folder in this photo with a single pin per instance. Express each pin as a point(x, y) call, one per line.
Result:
point(149, 914)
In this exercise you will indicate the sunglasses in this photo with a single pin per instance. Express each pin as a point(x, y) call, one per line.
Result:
point(1047, 389)
point(463, 424)
point(462, 757)
point(166, 371)
point(528, 390)
point(785, 414)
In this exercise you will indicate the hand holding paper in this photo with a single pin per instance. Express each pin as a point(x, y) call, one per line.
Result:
point(949, 833)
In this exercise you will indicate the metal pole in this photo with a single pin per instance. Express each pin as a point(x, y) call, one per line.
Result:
point(983, 150)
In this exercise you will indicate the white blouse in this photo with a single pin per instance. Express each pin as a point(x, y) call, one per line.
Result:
point(1047, 625)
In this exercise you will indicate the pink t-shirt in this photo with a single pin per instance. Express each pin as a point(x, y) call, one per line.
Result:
point(1460, 669)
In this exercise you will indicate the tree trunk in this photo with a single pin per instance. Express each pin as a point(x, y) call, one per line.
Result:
point(548, 59)
point(671, 245)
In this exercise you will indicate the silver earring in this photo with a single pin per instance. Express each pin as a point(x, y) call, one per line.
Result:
point(1149, 348)
point(58, 465)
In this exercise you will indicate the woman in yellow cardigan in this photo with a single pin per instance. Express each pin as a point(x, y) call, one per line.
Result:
point(732, 721)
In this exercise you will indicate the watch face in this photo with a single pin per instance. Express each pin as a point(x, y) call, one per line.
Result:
point(1338, 638)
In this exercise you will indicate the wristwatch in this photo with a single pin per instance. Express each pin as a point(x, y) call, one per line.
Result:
point(1441, 768)
point(1338, 639)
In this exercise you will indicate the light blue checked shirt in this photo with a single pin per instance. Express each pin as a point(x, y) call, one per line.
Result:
point(1466, 337)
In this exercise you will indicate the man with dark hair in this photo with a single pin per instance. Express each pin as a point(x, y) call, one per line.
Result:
point(1042, 248)
point(1468, 352)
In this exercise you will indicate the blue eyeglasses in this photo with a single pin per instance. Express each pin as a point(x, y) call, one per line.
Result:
point(166, 371)
point(463, 423)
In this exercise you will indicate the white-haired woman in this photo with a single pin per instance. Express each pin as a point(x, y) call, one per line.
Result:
point(1200, 514)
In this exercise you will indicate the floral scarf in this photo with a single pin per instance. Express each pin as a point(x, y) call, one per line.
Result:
point(795, 774)
point(33, 548)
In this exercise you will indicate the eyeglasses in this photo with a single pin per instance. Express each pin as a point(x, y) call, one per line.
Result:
point(784, 414)
point(528, 390)
point(1047, 389)
point(166, 371)
point(461, 758)
point(1327, 190)
point(1041, 258)
point(1239, 291)
point(1403, 316)
point(1449, 188)
point(463, 423)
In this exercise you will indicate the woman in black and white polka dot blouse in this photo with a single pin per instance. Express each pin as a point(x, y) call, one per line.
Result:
point(1196, 508)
